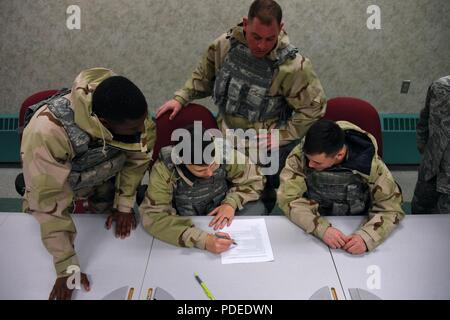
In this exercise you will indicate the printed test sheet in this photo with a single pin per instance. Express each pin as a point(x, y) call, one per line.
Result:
point(253, 244)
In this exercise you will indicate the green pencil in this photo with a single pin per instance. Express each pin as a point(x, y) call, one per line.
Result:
point(204, 287)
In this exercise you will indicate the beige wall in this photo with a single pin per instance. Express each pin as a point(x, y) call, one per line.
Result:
point(157, 43)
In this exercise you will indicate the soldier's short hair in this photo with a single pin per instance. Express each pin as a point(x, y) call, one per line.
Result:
point(117, 99)
point(266, 11)
point(324, 136)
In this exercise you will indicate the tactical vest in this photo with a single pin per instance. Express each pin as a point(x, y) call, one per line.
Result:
point(242, 85)
point(203, 196)
point(91, 166)
point(339, 191)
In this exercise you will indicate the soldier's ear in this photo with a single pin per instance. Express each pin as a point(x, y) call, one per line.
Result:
point(341, 154)
point(245, 23)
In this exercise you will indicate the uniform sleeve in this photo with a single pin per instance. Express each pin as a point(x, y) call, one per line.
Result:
point(422, 126)
point(300, 210)
point(386, 211)
point(305, 95)
point(200, 84)
point(247, 182)
point(159, 217)
point(46, 155)
point(129, 178)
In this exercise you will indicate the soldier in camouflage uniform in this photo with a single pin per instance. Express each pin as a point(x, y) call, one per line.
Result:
point(336, 171)
point(182, 189)
point(432, 193)
point(74, 144)
point(258, 81)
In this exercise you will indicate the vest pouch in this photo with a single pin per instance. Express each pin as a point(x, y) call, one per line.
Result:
point(243, 108)
point(274, 106)
point(339, 209)
point(93, 157)
point(184, 209)
point(246, 111)
point(330, 190)
point(331, 199)
point(277, 107)
point(234, 92)
point(203, 208)
point(192, 201)
point(221, 85)
point(199, 197)
point(98, 174)
point(215, 202)
point(356, 198)
point(255, 96)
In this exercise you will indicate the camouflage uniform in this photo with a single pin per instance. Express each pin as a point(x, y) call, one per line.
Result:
point(432, 192)
point(294, 82)
point(51, 180)
point(158, 213)
point(384, 211)
point(294, 79)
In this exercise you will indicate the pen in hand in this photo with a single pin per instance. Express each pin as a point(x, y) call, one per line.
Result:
point(224, 237)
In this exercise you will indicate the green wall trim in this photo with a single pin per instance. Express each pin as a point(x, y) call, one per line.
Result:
point(398, 132)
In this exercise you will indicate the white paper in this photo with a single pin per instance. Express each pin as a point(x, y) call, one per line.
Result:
point(253, 244)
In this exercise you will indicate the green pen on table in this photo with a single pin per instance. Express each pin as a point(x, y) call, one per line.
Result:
point(204, 287)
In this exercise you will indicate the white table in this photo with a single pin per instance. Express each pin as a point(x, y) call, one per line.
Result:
point(3, 217)
point(301, 266)
point(26, 268)
point(414, 262)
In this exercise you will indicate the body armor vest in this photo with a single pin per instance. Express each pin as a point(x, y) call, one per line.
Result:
point(91, 166)
point(242, 85)
point(338, 191)
point(203, 196)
